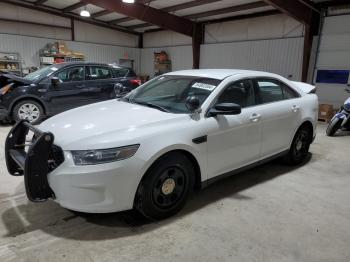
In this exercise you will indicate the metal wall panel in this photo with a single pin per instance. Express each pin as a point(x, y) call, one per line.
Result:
point(267, 27)
point(280, 56)
point(29, 47)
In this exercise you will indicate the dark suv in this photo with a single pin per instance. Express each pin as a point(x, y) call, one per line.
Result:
point(57, 88)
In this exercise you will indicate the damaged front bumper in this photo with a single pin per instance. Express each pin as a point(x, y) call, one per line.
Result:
point(34, 159)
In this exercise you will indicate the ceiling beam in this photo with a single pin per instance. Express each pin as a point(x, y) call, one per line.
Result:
point(73, 7)
point(40, 2)
point(231, 18)
point(169, 9)
point(58, 12)
point(101, 13)
point(148, 14)
point(330, 3)
point(226, 10)
point(221, 11)
point(293, 8)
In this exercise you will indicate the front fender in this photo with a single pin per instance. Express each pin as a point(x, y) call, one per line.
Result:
point(174, 147)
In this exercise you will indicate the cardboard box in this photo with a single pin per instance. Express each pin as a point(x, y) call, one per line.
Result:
point(325, 112)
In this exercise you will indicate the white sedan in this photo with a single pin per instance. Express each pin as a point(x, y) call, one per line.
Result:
point(179, 131)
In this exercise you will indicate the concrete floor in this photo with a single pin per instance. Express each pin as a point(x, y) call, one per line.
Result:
point(271, 213)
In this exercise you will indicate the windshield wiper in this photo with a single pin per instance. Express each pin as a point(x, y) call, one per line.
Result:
point(149, 104)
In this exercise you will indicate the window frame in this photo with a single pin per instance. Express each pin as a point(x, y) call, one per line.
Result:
point(280, 84)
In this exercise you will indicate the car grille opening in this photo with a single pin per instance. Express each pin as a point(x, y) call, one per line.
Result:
point(56, 157)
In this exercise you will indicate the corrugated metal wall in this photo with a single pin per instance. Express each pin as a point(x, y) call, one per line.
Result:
point(281, 56)
point(334, 53)
point(29, 47)
point(235, 44)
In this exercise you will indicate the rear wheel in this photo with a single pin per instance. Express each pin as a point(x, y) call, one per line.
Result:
point(166, 186)
point(28, 110)
point(300, 146)
point(333, 126)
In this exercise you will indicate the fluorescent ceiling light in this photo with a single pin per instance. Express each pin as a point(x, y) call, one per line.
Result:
point(84, 13)
point(129, 1)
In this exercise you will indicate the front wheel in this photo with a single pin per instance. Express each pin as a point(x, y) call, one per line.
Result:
point(166, 186)
point(333, 126)
point(300, 146)
point(28, 110)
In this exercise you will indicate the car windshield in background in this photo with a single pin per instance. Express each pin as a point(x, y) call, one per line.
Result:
point(169, 93)
point(41, 73)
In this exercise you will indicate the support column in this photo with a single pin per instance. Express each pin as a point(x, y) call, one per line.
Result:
point(311, 29)
point(197, 40)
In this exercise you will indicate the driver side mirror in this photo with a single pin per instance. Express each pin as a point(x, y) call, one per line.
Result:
point(225, 109)
point(55, 81)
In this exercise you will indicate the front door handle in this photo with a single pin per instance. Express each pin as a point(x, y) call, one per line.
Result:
point(255, 117)
point(295, 108)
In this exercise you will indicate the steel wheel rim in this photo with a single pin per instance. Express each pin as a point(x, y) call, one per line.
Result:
point(301, 144)
point(28, 112)
point(171, 196)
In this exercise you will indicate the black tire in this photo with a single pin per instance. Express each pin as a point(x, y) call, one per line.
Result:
point(333, 127)
point(35, 107)
point(299, 149)
point(165, 188)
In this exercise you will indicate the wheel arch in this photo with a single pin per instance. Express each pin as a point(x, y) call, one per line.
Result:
point(187, 152)
point(28, 97)
point(308, 124)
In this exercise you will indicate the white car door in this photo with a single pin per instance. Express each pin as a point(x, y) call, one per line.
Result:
point(234, 140)
point(280, 115)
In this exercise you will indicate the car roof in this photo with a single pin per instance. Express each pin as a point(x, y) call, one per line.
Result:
point(219, 74)
point(89, 63)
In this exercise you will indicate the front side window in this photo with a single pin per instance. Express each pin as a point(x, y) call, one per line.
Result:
point(171, 92)
point(98, 73)
point(71, 74)
point(240, 92)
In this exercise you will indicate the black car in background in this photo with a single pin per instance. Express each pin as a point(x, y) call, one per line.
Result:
point(57, 88)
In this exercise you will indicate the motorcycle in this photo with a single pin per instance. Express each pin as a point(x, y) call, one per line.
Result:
point(341, 120)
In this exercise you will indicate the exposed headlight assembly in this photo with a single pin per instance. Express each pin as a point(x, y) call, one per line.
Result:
point(5, 89)
point(102, 156)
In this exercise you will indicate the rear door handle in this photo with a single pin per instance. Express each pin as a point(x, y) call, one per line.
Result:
point(295, 108)
point(255, 117)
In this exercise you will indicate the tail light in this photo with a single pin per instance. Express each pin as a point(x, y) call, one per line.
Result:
point(135, 81)
point(5, 89)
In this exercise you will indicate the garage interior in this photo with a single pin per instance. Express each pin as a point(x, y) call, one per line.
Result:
point(270, 213)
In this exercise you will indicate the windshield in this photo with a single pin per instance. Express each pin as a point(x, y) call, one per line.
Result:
point(170, 92)
point(41, 73)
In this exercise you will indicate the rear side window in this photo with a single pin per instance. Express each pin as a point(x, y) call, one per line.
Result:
point(288, 92)
point(272, 90)
point(120, 72)
point(98, 72)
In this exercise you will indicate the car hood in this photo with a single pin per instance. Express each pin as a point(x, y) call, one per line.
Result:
point(107, 124)
point(6, 78)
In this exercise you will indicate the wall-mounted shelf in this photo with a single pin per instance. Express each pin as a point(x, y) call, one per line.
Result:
point(10, 62)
